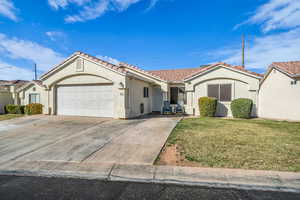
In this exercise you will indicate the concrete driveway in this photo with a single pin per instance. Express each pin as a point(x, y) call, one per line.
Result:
point(82, 139)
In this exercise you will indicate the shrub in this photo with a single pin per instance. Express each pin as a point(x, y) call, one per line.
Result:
point(34, 109)
point(22, 109)
point(241, 108)
point(207, 106)
point(13, 109)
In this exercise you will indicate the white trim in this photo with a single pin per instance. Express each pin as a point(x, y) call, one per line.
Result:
point(27, 85)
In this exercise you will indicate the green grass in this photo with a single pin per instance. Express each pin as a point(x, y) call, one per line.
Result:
point(10, 116)
point(236, 143)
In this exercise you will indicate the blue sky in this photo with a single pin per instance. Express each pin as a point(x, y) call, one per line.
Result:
point(152, 34)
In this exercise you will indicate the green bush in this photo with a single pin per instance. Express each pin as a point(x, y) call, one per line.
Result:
point(207, 106)
point(34, 109)
point(13, 109)
point(22, 109)
point(241, 108)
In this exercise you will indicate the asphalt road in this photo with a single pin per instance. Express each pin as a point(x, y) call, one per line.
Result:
point(42, 188)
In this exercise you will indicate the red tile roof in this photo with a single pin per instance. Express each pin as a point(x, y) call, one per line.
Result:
point(292, 67)
point(176, 75)
point(135, 68)
point(39, 82)
point(104, 63)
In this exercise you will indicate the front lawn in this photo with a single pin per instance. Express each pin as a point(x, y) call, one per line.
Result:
point(236, 143)
point(10, 116)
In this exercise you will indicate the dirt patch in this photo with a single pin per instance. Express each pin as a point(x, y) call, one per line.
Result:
point(171, 155)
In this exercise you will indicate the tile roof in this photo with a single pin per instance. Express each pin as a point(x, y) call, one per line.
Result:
point(102, 62)
point(135, 68)
point(240, 68)
point(292, 67)
point(105, 63)
point(173, 75)
point(179, 75)
point(176, 75)
point(39, 82)
point(5, 84)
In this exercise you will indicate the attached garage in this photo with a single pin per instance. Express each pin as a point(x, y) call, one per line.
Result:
point(85, 100)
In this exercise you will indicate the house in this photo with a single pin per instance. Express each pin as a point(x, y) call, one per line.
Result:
point(84, 85)
point(279, 95)
point(8, 92)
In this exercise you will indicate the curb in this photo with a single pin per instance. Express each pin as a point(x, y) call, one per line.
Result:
point(190, 176)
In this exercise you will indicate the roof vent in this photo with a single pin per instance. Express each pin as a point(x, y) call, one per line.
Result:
point(79, 65)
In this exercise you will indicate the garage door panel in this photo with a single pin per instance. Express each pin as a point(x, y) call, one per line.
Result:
point(94, 101)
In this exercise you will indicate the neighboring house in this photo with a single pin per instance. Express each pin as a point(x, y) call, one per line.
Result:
point(84, 85)
point(8, 92)
point(32, 90)
point(279, 95)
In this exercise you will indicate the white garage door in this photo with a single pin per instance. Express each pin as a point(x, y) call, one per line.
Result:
point(95, 101)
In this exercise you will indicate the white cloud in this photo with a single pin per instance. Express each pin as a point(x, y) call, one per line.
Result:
point(8, 9)
point(56, 4)
point(277, 14)
point(152, 4)
point(265, 50)
point(89, 10)
point(16, 48)
point(56, 35)
point(109, 59)
point(10, 72)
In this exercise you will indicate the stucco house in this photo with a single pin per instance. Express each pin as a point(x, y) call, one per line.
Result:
point(8, 92)
point(279, 95)
point(84, 85)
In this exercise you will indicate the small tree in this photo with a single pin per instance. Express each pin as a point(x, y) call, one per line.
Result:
point(241, 108)
point(207, 106)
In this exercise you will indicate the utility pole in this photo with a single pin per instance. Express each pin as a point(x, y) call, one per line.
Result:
point(243, 50)
point(35, 72)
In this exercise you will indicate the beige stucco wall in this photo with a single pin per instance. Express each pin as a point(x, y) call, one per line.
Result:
point(33, 89)
point(92, 73)
point(243, 86)
point(5, 98)
point(278, 99)
point(135, 90)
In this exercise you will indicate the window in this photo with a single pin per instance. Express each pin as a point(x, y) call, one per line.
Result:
point(222, 92)
point(34, 98)
point(178, 95)
point(146, 92)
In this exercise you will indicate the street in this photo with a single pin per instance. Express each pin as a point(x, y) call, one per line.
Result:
point(25, 187)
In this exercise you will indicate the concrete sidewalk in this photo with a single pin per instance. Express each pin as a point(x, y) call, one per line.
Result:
point(208, 177)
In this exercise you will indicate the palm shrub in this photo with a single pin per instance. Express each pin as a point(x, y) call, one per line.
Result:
point(207, 106)
point(241, 108)
point(34, 109)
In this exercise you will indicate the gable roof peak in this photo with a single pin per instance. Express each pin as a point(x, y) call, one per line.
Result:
point(239, 68)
